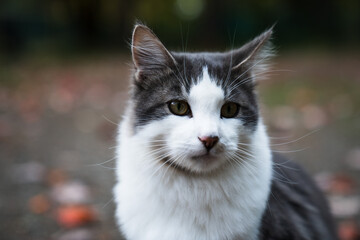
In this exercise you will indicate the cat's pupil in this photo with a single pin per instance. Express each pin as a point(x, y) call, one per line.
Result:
point(229, 110)
point(179, 106)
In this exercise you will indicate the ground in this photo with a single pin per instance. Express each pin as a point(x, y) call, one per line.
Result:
point(58, 121)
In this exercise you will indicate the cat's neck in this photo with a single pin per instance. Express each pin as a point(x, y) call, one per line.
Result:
point(161, 195)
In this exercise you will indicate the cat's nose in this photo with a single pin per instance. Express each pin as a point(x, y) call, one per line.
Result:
point(209, 141)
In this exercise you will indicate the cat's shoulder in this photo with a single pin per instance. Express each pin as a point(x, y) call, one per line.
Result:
point(296, 208)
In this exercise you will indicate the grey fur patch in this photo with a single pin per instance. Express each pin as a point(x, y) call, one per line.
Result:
point(161, 75)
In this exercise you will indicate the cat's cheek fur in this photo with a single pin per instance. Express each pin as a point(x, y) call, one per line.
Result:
point(159, 205)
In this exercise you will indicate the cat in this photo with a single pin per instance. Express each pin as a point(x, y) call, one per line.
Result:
point(193, 156)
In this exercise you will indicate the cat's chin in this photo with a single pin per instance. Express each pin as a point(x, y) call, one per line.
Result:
point(199, 164)
point(205, 163)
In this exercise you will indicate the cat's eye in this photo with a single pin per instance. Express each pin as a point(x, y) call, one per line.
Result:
point(229, 110)
point(180, 108)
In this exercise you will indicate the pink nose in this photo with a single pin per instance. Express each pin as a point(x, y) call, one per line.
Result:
point(209, 141)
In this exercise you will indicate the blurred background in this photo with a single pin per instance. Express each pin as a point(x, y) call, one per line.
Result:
point(64, 72)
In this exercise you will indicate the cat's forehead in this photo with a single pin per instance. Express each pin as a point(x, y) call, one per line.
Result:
point(196, 62)
point(205, 89)
point(195, 67)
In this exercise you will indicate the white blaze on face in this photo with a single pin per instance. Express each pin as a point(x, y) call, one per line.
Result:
point(206, 99)
point(181, 134)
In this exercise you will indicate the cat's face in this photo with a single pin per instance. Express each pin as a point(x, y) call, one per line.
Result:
point(195, 111)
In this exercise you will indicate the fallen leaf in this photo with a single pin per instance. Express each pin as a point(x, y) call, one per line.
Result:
point(75, 215)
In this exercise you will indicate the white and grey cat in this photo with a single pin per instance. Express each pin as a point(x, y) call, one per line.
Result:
point(194, 161)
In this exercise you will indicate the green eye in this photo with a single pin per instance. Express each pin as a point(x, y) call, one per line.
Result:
point(179, 108)
point(229, 110)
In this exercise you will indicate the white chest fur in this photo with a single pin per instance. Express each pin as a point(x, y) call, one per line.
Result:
point(155, 202)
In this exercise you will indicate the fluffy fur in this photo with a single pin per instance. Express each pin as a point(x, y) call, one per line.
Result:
point(169, 185)
point(157, 201)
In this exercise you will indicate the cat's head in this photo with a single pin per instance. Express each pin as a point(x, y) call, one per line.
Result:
point(195, 111)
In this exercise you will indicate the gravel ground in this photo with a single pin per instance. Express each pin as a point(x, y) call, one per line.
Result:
point(58, 125)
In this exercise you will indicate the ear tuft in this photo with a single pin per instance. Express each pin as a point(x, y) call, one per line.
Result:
point(255, 54)
point(149, 55)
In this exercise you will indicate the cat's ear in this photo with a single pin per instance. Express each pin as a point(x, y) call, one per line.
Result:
point(253, 56)
point(149, 55)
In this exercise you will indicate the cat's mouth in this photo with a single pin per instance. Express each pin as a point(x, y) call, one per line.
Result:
point(204, 159)
point(174, 165)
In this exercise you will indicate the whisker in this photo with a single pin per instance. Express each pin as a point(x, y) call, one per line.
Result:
point(298, 139)
point(110, 120)
point(172, 161)
point(165, 162)
point(110, 168)
point(98, 164)
point(263, 74)
point(291, 151)
point(247, 70)
point(282, 165)
point(108, 202)
point(240, 161)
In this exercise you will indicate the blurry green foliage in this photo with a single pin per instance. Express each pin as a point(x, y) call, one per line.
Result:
point(76, 25)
